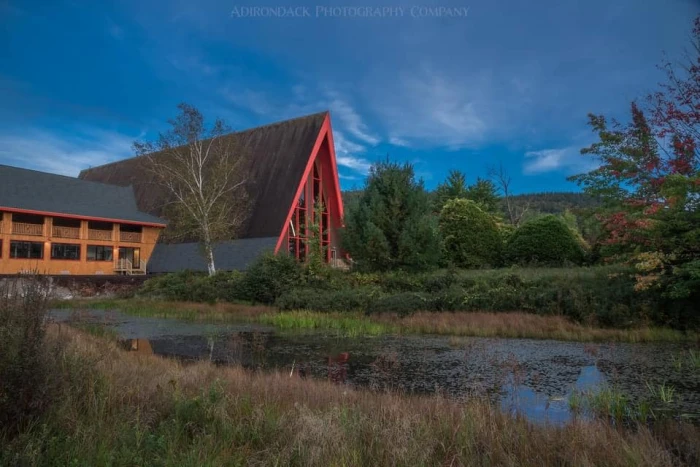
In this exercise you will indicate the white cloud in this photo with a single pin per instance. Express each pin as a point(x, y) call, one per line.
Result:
point(400, 142)
point(351, 120)
point(567, 159)
point(430, 109)
point(66, 155)
point(346, 154)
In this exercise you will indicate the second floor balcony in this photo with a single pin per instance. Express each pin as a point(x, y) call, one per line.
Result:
point(24, 228)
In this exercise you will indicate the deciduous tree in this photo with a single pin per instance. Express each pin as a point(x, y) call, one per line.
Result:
point(649, 176)
point(203, 171)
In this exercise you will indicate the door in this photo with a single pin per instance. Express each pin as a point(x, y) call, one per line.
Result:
point(131, 254)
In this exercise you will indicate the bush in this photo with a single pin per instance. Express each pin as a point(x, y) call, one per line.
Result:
point(471, 237)
point(544, 241)
point(326, 300)
point(186, 286)
point(402, 304)
point(269, 277)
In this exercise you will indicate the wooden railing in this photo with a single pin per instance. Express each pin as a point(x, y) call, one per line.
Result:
point(132, 237)
point(66, 232)
point(19, 228)
point(125, 266)
point(105, 235)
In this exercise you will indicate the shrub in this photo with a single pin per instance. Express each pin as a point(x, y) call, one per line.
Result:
point(228, 285)
point(402, 304)
point(327, 300)
point(471, 237)
point(269, 277)
point(544, 241)
point(188, 286)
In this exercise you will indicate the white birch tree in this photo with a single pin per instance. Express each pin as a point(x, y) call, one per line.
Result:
point(204, 173)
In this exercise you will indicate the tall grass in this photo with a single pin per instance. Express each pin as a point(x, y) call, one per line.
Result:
point(468, 324)
point(27, 384)
point(126, 409)
point(346, 324)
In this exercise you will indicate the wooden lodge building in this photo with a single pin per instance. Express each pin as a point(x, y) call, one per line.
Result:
point(62, 225)
point(52, 224)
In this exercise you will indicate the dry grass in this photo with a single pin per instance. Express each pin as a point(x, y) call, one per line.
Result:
point(144, 410)
point(214, 312)
point(462, 323)
point(522, 325)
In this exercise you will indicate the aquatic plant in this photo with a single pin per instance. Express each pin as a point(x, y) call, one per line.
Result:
point(665, 393)
point(694, 359)
point(677, 361)
point(576, 402)
point(609, 403)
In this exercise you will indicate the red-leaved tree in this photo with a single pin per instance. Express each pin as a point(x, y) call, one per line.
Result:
point(649, 178)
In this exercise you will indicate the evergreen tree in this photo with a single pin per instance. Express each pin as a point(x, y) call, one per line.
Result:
point(391, 225)
point(485, 194)
point(454, 187)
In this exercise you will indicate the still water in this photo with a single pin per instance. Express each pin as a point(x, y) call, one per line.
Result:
point(533, 377)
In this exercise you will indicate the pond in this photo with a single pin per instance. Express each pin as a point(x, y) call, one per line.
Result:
point(533, 377)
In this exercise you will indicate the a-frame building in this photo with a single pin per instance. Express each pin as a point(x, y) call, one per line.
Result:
point(292, 166)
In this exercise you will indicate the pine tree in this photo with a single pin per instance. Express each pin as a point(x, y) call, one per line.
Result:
point(391, 225)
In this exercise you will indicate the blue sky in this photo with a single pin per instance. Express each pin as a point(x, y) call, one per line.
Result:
point(508, 82)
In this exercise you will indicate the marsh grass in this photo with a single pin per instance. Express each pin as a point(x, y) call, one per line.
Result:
point(465, 324)
point(126, 409)
point(346, 324)
point(188, 311)
point(663, 392)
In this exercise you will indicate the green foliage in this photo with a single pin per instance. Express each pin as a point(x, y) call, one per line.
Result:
point(402, 304)
point(454, 187)
point(188, 286)
point(269, 277)
point(471, 237)
point(264, 281)
point(556, 202)
point(345, 300)
point(544, 241)
point(390, 226)
point(484, 194)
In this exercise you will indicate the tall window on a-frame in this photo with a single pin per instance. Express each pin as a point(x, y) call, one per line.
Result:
point(305, 214)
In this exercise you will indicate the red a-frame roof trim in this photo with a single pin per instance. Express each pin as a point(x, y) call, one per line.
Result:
point(324, 133)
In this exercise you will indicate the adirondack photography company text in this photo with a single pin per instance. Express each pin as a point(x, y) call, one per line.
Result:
point(322, 11)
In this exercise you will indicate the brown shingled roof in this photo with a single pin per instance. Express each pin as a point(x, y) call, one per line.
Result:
point(278, 154)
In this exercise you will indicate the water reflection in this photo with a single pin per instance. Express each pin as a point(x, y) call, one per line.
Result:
point(535, 378)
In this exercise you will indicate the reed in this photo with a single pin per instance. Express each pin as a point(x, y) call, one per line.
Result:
point(466, 324)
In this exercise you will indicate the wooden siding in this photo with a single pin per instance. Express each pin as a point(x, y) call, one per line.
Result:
point(46, 265)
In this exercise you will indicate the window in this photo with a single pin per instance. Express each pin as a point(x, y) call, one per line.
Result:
point(65, 251)
point(99, 253)
point(27, 250)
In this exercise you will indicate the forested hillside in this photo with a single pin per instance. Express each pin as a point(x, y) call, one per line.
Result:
point(556, 202)
point(544, 202)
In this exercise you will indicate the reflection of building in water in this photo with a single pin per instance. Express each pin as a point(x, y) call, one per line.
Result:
point(142, 346)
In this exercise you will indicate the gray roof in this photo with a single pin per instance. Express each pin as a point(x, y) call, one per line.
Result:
point(234, 255)
point(41, 191)
point(276, 154)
